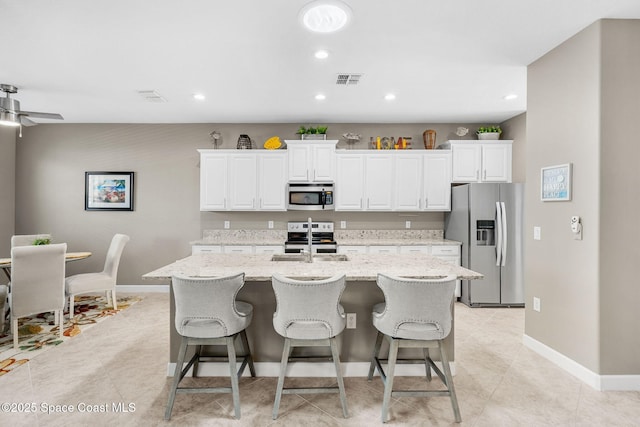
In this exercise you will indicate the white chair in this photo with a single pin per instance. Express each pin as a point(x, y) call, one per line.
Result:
point(27, 239)
point(416, 314)
point(207, 313)
point(37, 283)
point(102, 281)
point(309, 314)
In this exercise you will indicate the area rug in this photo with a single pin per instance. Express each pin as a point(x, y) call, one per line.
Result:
point(38, 333)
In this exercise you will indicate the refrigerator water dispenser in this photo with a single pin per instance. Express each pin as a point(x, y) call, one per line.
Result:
point(485, 235)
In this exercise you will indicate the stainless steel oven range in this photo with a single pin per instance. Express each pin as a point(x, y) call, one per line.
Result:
point(321, 237)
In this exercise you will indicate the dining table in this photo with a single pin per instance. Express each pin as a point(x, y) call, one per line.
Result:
point(5, 263)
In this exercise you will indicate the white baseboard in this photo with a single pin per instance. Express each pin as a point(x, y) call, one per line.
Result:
point(305, 369)
point(142, 288)
point(594, 380)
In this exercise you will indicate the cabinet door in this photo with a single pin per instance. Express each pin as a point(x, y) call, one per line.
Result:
point(418, 249)
point(268, 249)
point(206, 249)
point(349, 182)
point(466, 162)
point(437, 182)
point(272, 181)
point(496, 163)
point(299, 162)
point(213, 182)
point(237, 249)
point(342, 249)
point(243, 180)
point(383, 249)
point(408, 182)
point(323, 163)
point(378, 182)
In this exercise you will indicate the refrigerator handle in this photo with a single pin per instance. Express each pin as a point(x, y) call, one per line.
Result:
point(504, 233)
point(499, 237)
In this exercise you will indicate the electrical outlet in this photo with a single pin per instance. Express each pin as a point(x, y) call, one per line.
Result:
point(270, 224)
point(407, 224)
point(536, 304)
point(537, 233)
point(351, 320)
point(343, 224)
point(227, 224)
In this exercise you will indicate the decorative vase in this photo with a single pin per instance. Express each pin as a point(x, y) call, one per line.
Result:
point(488, 135)
point(429, 137)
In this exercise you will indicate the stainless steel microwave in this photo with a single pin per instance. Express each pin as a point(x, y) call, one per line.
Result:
point(310, 196)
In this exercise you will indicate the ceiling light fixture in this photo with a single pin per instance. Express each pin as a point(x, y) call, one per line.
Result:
point(199, 96)
point(320, 97)
point(389, 97)
point(325, 16)
point(8, 118)
point(321, 54)
point(510, 96)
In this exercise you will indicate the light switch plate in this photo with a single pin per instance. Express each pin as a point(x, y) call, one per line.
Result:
point(537, 233)
point(536, 304)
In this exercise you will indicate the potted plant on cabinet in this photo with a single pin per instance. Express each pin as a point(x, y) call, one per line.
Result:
point(314, 133)
point(489, 132)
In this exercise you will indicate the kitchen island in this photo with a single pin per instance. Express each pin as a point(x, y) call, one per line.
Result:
point(360, 294)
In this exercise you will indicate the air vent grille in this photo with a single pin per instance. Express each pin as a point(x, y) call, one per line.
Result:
point(151, 96)
point(348, 79)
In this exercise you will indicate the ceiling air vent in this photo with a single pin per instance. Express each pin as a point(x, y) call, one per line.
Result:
point(345, 79)
point(151, 96)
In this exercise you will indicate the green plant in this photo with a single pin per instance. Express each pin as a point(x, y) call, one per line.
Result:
point(489, 129)
point(312, 130)
point(39, 242)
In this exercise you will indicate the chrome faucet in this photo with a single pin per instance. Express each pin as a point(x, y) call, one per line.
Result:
point(309, 241)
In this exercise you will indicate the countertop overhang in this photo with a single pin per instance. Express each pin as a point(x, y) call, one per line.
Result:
point(359, 267)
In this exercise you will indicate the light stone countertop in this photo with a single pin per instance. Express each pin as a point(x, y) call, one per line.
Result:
point(343, 237)
point(359, 267)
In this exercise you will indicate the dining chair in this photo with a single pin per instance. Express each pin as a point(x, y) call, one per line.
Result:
point(416, 313)
point(37, 283)
point(103, 281)
point(208, 313)
point(27, 239)
point(309, 314)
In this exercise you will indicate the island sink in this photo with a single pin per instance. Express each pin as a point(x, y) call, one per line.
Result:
point(304, 257)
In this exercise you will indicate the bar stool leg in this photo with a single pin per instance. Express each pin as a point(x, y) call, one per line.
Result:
point(245, 344)
point(196, 362)
point(235, 388)
point(286, 351)
point(336, 362)
point(427, 366)
point(376, 353)
point(449, 378)
point(388, 384)
point(177, 376)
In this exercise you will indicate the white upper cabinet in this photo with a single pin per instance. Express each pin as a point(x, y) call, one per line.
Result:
point(436, 184)
point(408, 179)
point(242, 180)
point(311, 161)
point(349, 188)
point(481, 161)
point(213, 180)
point(378, 182)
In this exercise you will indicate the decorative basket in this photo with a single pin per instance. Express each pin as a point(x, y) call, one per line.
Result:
point(488, 135)
point(244, 142)
point(313, 136)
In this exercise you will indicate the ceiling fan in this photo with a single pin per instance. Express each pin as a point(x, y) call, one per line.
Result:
point(12, 115)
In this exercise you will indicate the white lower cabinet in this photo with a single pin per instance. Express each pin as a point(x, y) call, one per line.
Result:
point(383, 249)
point(231, 249)
point(449, 253)
point(268, 249)
point(414, 249)
point(206, 249)
point(342, 249)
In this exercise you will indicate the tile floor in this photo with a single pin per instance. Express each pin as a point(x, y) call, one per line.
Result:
point(499, 382)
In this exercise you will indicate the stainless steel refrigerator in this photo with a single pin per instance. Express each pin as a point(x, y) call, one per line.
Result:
point(488, 220)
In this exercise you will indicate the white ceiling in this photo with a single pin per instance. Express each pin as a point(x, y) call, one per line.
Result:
point(446, 61)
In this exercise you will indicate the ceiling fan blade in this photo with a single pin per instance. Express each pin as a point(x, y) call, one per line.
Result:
point(41, 115)
point(26, 122)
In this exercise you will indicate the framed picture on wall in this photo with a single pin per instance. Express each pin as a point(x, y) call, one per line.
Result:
point(555, 183)
point(108, 191)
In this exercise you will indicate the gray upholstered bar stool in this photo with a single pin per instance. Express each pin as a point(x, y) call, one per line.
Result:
point(309, 314)
point(416, 314)
point(207, 313)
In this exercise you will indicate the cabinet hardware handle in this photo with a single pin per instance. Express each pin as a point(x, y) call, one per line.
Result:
point(477, 174)
point(485, 175)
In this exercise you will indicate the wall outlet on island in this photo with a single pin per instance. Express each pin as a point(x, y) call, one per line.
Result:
point(351, 320)
point(227, 224)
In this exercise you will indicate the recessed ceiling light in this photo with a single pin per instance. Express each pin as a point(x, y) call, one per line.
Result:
point(510, 96)
point(199, 96)
point(325, 16)
point(320, 97)
point(321, 54)
point(389, 97)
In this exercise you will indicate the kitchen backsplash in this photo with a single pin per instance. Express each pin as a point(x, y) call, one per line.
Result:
point(388, 234)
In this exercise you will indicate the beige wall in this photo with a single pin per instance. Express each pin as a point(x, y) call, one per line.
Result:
point(7, 190)
point(619, 198)
point(516, 129)
point(52, 160)
point(582, 109)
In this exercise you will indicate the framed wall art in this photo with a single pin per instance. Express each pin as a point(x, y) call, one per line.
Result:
point(108, 191)
point(555, 183)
